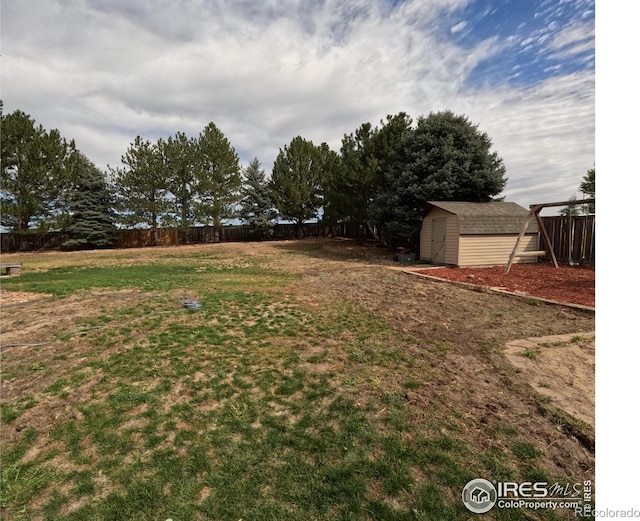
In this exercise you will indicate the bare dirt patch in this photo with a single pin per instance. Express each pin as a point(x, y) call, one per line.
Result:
point(561, 367)
point(570, 284)
point(37, 318)
point(11, 298)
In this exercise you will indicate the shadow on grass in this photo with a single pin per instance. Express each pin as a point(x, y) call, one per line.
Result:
point(339, 249)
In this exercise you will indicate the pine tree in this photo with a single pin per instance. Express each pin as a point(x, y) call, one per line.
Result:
point(36, 167)
point(351, 188)
point(256, 207)
point(295, 181)
point(179, 166)
point(218, 178)
point(588, 188)
point(91, 209)
point(142, 187)
point(571, 209)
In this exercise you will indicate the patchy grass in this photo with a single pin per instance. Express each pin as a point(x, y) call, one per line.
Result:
point(151, 276)
point(260, 405)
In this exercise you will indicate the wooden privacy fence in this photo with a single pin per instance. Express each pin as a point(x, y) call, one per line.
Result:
point(575, 235)
point(31, 241)
point(139, 238)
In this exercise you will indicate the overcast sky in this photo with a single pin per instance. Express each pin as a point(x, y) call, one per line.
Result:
point(265, 71)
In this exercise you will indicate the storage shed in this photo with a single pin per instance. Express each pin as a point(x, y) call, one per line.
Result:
point(475, 234)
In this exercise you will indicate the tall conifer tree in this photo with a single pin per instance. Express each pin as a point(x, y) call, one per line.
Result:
point(296, 180)
point(91, 209)
point(256, 207)
point(141, 185)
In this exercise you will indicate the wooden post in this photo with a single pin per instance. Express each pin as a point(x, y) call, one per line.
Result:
point(547, 240)
point(515, 246)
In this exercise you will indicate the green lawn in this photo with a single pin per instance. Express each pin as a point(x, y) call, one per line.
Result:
point(259, 406)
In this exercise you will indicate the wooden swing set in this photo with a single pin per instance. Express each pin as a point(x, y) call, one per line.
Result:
point(534, 211)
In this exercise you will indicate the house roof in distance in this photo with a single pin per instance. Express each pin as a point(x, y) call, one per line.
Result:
point(492, 218)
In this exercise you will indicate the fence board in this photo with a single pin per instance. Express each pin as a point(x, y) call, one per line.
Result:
point(575, 235)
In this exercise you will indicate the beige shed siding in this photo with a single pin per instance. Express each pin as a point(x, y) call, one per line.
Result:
point(425, 239)
point(453, 240)
point(452, 237)
point(489, 250)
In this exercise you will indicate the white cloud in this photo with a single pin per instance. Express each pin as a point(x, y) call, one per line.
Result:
point(574, 39)
point(105, 71)
point(458, 27)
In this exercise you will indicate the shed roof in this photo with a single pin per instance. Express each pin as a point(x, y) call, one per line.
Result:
point(487, 218)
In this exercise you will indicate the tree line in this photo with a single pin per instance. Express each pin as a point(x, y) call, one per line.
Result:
point(383, 175)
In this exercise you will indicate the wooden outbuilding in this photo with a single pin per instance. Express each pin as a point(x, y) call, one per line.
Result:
point(476, 234)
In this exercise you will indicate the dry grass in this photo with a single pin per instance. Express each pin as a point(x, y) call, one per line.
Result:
point(313, 383)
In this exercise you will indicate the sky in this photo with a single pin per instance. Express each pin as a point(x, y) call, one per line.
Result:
point(105, 71)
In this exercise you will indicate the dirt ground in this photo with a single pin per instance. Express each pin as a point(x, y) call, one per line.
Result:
point(481, 375)
point(561, 367)
point(8, 298)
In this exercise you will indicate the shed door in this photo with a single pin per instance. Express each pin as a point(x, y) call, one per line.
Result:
point(438, 235)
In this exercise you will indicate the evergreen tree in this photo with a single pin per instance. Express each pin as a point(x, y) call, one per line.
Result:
point(91, 209)
point(142, 187)
point(179, 155)
point(571, 209)
point(218, 178)
point(588, 187)
point(347, 190)
point(295, 182)
point(36, 167)
point(445, 158)
point(256, 207)
point(350, 190)
point(179, 181)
